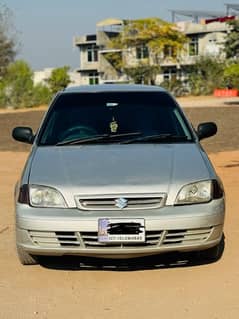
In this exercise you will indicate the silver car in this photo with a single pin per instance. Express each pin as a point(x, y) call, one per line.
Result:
point(117, 171)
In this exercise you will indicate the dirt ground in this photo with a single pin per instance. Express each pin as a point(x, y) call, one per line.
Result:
point(167, 286)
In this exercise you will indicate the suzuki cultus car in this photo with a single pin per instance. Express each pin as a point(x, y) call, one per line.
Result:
point(117, 171)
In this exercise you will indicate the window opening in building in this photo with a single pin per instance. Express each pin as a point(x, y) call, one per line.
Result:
point(168, 51)
point(170, 74)
point(93, 78)
point(142, 52)
point(193, 46)
point(92, 53)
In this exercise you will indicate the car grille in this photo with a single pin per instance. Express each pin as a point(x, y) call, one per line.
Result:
point(150, 201)
point(165, 238)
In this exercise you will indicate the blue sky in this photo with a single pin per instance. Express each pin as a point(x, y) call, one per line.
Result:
point(46, 28)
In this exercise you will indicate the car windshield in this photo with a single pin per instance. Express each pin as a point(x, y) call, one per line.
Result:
point(114, 117)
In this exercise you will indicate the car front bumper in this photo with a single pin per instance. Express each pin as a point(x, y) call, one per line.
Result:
point(58, 232)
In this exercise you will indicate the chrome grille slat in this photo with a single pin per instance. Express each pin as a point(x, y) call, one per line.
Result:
point(96, 243)
point(200, 231)
point(176, 235)
point(88, 237)
point(65, 236)
point(44, 240)
point(195, 237)
point(93, 202)
point(193, 240)
point(153, 236)
point(152, 242)
point(69, 243)
point(167, 241)
point(41, 233)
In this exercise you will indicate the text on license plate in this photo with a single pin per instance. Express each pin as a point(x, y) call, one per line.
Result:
point(121, 230)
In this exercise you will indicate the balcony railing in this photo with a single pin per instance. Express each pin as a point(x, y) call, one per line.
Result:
point(86, 39)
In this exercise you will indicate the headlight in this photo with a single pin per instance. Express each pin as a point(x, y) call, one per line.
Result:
point(44, 196)
point(195, 193)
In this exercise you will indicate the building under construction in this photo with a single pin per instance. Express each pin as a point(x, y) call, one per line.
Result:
point(206, 31)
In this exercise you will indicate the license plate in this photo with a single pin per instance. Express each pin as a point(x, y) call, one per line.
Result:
point(121, 230)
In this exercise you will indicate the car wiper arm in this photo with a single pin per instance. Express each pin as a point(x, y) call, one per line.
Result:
point(158, 137)
point(96, 138)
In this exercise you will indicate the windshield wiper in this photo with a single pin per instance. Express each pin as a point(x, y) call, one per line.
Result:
point(97, 138)
point(158, 138)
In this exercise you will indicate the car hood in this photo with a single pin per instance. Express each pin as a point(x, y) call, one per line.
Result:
point(119, 169)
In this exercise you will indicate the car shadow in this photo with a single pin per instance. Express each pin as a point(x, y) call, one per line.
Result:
point(232, 165)
point(231, 103)
point(162, 261)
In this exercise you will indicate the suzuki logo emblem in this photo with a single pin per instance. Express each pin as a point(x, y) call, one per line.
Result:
point(121, 202)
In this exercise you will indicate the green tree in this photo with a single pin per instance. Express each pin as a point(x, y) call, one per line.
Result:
point(206, 75)
point(3, 98)
point(231, 75)
point(8, 42)
point(41, 94)
point(154, 39)
point(143, 73)
point(19, 84)
point(231, 45)
point(59, 79)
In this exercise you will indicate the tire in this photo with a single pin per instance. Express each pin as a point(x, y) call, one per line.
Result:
point(214, 253)
point(25, 258)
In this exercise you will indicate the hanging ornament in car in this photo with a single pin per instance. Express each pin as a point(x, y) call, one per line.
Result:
point(113, 126)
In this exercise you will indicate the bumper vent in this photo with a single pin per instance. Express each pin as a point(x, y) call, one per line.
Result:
point(160, 238)
point(173, 237)
point(55, 239)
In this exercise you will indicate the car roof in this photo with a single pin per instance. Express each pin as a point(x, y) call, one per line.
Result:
point(113, 88)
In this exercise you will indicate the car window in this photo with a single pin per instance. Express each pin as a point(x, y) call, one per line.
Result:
point(83, 115)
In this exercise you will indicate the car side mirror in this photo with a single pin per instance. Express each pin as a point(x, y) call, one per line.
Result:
point(23, 134)
point(206, 129)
